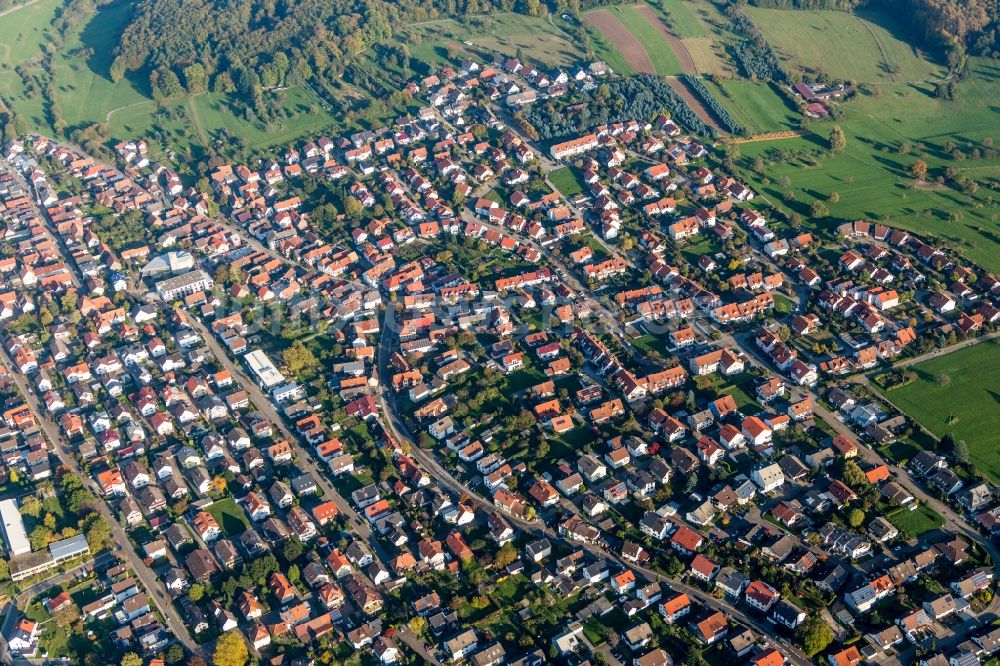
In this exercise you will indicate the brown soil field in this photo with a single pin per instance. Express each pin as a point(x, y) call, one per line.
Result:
point(685, 59)
point(630, 48)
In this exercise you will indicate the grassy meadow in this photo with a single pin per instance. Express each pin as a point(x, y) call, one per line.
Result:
point(887, 130)
point(757, 106)
point(967, 406)
point(505, 33)
point(865, 46)
point(682, 17)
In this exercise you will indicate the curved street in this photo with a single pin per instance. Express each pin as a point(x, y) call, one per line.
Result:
point(536, 528)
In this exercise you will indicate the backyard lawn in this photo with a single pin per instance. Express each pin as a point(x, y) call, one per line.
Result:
point(914, 523)
point(230, 516)
point(566, 182)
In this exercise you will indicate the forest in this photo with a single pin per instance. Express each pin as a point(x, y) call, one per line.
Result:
point(618, 100)
point(755, 56)
point(250, 46)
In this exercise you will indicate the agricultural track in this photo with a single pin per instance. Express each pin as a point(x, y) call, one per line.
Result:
point(771, 136)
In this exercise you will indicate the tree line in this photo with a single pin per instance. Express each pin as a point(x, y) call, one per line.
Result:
point(618, 100)
point(720, 112)
point(753, 53)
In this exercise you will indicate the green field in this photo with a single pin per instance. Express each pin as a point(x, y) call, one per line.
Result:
point(755, 105)
point(230, 516)
point(971, 400)
point(215, 113)
point(912, 524)
point(657, 48)
point(506, 33)
point(566, 182)
point(872, 176)
point(682, 18)
point(865, 46)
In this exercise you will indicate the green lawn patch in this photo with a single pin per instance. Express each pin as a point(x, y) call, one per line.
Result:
point(593, 630)
point(899, 452)
point(740, 387)
point(696, 248)
point(511, 589)
point(520, 380)
point(965, 406)
point(914, 523)
point(782, 305)
point(651, 343)
point(231, 518)
point(54, 640)
point(566, 182)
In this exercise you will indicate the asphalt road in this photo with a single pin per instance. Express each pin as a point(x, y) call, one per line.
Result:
point(538, 529)
point(174, 623)
point(953, 522)
point(304, 459)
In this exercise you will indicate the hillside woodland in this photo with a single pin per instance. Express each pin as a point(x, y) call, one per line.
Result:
point(240, 45)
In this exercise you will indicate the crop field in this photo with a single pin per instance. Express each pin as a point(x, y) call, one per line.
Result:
point(755, 105)
point(706, 54)
point(682, 17)
point(965, 405)
point(621, 39)
point(872, 176)
point(666, 50)
point(864, 46)
point(644, 41)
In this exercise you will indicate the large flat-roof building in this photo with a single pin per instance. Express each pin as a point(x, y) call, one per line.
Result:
point(66, 549)
point(185, 284)
point(176, 262)
point(263, 369)
point(33, 564)
point(14, 534)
